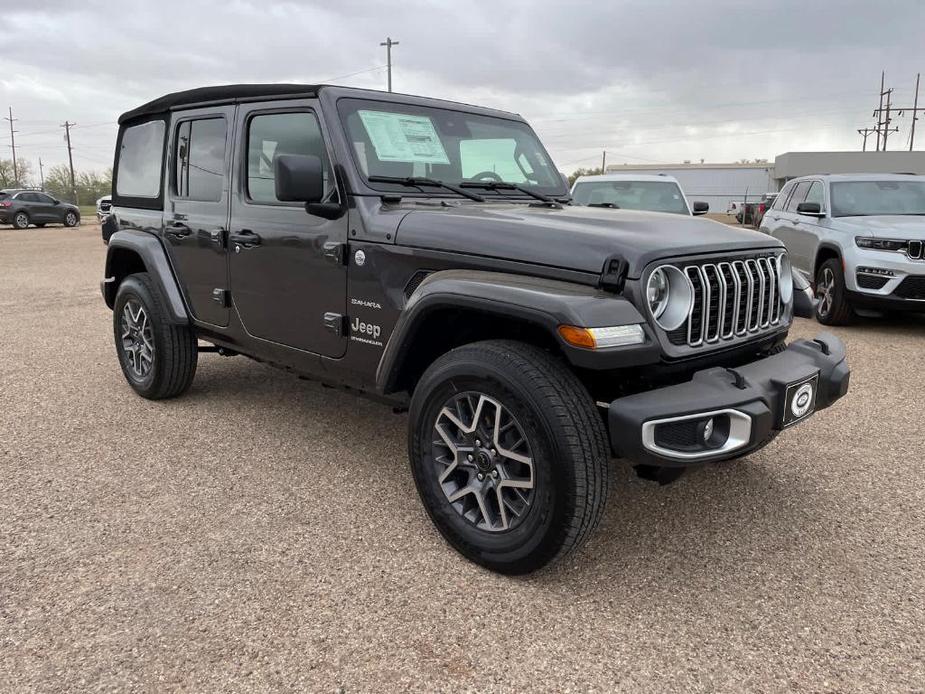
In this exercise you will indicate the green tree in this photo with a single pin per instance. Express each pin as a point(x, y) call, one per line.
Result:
point(90, 185)
point(23, 175)
point(584, 172)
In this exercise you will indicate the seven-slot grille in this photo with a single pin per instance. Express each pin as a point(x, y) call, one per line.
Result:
point(731, 299)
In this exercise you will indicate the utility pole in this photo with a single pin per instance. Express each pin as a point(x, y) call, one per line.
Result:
point(884, 118)
point(388, 43)
point(886, 121)
point(70, 158)
point(864, 132)
point(41, 174)
point(13, 147)
point(604, 162)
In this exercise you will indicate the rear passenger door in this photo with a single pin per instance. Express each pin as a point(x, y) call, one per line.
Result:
point(197, 209)
point(288, 278)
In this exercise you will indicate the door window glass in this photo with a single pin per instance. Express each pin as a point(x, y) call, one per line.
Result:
point(272, 134)
point(44, 199)
point(815, 194)
point(26, 197)
point(200, 159)
point(799, 195)
point(140, 157)
point(781, 199)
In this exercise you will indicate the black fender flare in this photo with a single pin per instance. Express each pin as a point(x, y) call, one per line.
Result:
point(149, 250)
point(544, 303)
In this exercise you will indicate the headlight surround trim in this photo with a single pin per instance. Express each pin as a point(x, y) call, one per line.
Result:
point(673, 308)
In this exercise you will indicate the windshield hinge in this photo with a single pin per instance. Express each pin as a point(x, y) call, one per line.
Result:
point(613, 276)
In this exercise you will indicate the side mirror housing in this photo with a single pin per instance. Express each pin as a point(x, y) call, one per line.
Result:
point(700, 207)
point(299, 178)
point(810, 209)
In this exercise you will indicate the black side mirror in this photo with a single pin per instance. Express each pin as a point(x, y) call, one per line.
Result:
point(299, 178)
point(700, 207)
point(810, 209)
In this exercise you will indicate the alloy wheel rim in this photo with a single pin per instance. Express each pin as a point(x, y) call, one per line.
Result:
point(825, 291)
point(484, 462)
point(71, 219)
point(22, 220)
point(137, 338)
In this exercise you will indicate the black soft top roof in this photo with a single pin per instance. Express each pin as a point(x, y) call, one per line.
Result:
point(224, 93)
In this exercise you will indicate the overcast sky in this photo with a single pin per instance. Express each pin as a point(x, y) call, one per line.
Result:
point(650, 81)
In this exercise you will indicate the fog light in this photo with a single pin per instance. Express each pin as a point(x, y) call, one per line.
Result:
point(707, 430)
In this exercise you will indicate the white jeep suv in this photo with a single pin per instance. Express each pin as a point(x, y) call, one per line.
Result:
point(857, 237)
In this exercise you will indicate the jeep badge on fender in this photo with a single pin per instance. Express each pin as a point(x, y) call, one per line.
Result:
point(478, 298)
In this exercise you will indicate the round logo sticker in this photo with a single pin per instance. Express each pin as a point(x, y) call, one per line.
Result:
point(802, 400)
point(359, 257)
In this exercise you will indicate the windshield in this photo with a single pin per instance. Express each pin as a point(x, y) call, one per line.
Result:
point(656, 196)
point(866, 198)
point(404, 140)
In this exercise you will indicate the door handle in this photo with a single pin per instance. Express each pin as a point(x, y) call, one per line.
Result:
point(179, 230)
point(245, 237)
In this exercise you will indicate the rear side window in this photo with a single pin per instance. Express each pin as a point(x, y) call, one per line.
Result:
point(199, 158)
point(272, 134)
point(799, 195)
point(781, 198)
point(140, 157)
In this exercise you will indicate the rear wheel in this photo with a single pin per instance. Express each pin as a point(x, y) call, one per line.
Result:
point(158, 358)
point(71, 219)
point(509, 454)
point(833, 307)
point(21, 220)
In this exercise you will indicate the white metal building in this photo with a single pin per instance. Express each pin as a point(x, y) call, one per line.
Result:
point(716, 184)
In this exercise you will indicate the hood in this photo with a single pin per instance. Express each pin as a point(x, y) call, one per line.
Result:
point(893, 226)
point(576, 238)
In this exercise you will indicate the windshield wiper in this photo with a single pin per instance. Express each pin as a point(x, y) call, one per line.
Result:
point(505, 185)
point(418, 182)
point(611, 205)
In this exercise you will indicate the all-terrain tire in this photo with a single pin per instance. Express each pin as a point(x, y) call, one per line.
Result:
point(175, 352)
point(838, 310)
point(565, 435)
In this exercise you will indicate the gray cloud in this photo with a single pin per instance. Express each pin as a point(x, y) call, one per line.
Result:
point(647, 79)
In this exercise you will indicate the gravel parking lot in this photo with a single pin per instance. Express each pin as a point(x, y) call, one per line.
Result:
point(263, 533)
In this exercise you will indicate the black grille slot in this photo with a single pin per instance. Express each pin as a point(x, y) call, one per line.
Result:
point(911, 288)
point(695, 324)
point(871, 281)
point(916, 250)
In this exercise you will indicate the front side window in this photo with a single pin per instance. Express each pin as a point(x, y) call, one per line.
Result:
point(140, 160)
point(799, 195)
point(272, 134)
point(815, 195)
point(44, 199)
point(656, 196)
point(401, 140)
point(866, 198)
point(199, 156)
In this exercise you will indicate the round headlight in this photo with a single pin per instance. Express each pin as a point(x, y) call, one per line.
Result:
point(657, 292)
point(785, 278)
point(669, 296)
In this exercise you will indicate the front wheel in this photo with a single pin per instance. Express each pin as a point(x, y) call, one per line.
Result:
point(833, 307)
point(71, 219)
point(157, 357)
point(508, 454)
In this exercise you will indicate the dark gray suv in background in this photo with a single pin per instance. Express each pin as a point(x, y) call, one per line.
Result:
point(24, 207)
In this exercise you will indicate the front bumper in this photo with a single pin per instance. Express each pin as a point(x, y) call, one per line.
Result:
point(745, 405)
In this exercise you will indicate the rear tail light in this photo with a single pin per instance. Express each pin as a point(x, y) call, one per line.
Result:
point(6, 203)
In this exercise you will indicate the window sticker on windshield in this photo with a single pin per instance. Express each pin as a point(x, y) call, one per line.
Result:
point(400, 137)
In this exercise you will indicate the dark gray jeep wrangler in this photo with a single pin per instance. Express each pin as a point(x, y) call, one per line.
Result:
point(424, 252)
